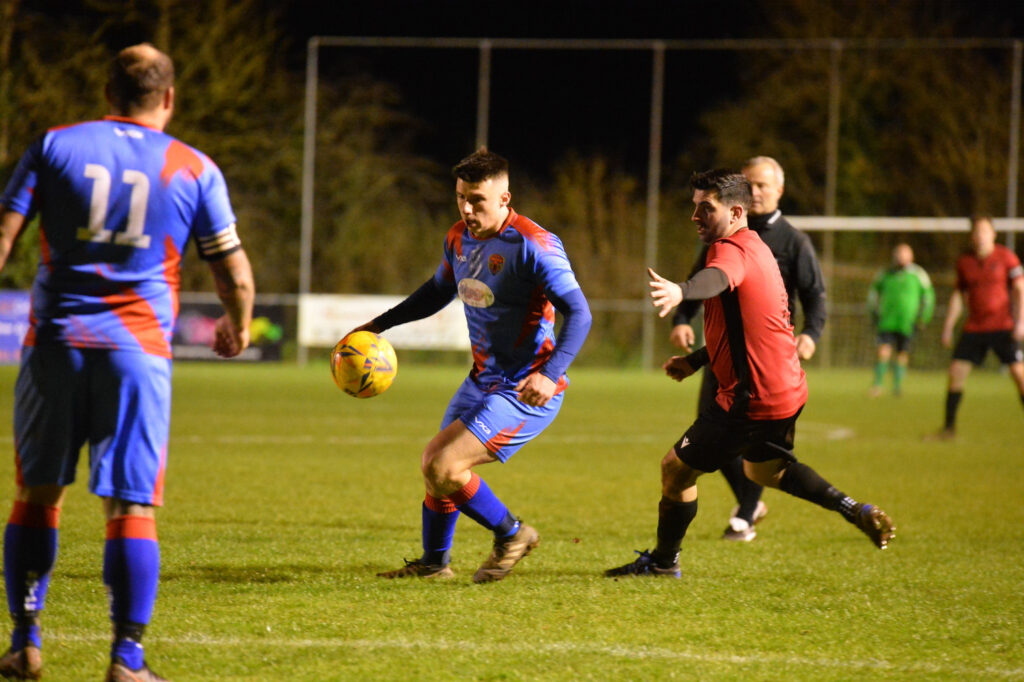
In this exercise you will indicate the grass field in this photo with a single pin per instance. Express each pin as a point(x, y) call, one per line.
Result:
point(285, 497)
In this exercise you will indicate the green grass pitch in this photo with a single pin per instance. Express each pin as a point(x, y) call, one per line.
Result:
point(285, 497)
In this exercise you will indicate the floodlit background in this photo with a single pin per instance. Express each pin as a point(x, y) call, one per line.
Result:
point(922, 120)
point(285, 496)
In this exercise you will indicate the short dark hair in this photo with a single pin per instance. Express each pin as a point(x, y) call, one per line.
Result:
point(730, 186)
point(480, 165)
point(139, 77)
point(979, 217)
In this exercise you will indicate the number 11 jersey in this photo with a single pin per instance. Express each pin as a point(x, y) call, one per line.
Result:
point(118, 202)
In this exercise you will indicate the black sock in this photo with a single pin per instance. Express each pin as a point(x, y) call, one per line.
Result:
point(746, 491)
point(804, 482)
point(734, 476)
point(952, 405)
point(673, 520)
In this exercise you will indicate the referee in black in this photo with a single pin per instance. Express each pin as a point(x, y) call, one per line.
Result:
point(801, 274)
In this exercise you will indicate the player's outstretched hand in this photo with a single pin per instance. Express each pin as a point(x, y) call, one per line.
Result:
point(536, 390)
point(666, 295)
point(677, 367)
point(229, 340)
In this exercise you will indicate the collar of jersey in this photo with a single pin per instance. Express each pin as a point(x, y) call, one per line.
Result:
point(126, 119)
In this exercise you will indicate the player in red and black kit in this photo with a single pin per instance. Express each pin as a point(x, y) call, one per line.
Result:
point(761, 387)
point(991, 279)
point(801, 274)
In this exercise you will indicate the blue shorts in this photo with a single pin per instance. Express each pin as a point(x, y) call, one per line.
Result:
point(117, 401)
point(497, 418)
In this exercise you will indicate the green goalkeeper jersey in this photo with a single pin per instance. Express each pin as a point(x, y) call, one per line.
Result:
point(902, 299)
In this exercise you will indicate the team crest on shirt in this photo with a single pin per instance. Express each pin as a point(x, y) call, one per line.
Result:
point(475, 293)
point(495, 263)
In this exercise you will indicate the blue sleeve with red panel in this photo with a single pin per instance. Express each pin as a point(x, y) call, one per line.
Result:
point(576, 311)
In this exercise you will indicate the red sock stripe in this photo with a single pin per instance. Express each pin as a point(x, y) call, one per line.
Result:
point(440, 505)
point(35, 515)
point(135, 527)
point(466, 492)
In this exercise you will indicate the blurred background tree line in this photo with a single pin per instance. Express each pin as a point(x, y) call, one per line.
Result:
point(923, 132)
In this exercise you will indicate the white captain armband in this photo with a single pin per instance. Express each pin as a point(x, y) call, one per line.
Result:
point(220, 244)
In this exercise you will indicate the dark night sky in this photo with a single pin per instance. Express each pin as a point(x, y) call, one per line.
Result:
point(543, 102)
point(547, 102)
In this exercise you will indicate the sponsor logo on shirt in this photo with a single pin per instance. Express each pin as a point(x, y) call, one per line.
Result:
point(122, 132)
point(475, 293)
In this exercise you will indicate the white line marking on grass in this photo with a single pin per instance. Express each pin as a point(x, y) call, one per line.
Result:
point(809, 430)
point(613, 651)
point(826, 431)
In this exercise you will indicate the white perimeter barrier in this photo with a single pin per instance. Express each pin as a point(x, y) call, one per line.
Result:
point(325, 318)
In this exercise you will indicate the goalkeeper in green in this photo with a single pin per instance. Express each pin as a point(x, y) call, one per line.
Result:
point(901, 302)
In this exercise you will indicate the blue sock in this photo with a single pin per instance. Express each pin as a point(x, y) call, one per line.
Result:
point(439, 517)
point(129, 651)
point(476, 500)
point(131, 571)
point(30, 552)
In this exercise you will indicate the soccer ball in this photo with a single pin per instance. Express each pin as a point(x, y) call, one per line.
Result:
point(363, 364)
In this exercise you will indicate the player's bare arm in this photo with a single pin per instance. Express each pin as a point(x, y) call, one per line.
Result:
point(1017, 308)
point(11, 225)
point(956, 306)
point(236, 289)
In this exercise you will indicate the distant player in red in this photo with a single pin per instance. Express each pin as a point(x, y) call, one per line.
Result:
point(990, 279)
point(118, 202)
point(761, 386)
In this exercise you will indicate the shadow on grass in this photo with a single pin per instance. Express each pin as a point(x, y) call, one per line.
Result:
point(247, 575)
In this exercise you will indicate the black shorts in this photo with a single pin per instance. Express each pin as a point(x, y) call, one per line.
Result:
point(974, 346)
point(716, 439)
point(899, 341)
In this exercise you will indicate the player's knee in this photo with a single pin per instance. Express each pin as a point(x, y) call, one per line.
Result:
point(436, 468)
point(670, 465)
point(47, 495)
point(767, 474)
point(676, 476)
point(114, 507)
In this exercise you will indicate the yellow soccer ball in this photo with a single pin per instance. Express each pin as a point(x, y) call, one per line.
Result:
point(363, 364)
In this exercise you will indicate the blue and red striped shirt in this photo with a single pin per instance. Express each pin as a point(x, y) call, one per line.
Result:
point(118, 202)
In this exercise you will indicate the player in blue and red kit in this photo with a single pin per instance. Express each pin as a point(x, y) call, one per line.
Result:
point(761, 387)
point(511, 275)
point(118, 200)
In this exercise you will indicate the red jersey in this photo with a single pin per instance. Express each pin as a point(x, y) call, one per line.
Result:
point(749, 333)
point(985, 283)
